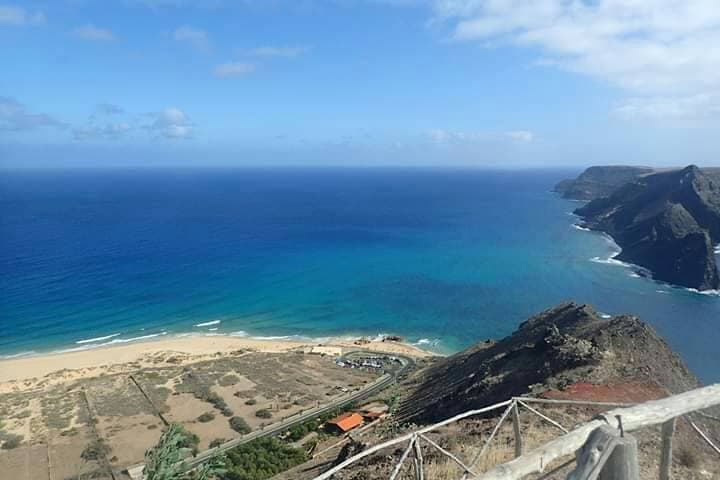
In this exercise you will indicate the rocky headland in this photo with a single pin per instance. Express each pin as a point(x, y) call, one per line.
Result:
point(597, 182)
point(564, 348)
point(666, 221)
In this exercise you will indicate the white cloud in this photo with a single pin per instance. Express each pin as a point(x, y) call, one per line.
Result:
point(171, 123)
point(93, 33)
point(109, 130)
point(287, 52)
point(195, 37)
point(15, 116)
point(441, 136)
point(19, 17)
point(103, 123)
point(234, 69)
point(663, 52)
point(680, 108)
point(522, 136)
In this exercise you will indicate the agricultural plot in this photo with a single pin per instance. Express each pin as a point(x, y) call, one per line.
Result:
point(94, 425)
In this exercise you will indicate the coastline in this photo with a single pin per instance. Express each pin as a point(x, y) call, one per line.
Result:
point(185, 349)
point(638, 271)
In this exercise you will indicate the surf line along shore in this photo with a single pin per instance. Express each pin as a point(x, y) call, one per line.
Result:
point(127, 357)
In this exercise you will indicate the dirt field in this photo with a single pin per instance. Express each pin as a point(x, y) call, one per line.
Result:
point(55, 420)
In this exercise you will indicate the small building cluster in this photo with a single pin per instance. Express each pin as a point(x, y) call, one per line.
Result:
point(345, 422)
point(351, 420)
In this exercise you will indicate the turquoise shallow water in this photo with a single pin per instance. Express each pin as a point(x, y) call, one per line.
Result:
point(441, 257)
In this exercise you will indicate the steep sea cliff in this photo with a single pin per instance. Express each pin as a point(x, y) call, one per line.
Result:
point(667, 222)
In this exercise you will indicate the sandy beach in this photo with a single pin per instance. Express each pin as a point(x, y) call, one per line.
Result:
point(116, 358)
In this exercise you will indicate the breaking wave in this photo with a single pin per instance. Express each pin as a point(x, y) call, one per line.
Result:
point(207, 324)
point(97, 339)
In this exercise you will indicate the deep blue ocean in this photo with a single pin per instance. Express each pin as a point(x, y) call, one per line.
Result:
point(440, 257)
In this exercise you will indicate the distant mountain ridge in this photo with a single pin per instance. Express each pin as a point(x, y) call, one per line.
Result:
point(667, 221)
point(597, 182)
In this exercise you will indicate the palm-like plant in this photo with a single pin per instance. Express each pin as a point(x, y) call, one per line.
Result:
point(164, 461)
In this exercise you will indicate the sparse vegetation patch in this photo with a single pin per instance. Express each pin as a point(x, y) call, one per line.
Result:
point(11, 441)
point(206, 417)
point(239, 425)
point(95, 450)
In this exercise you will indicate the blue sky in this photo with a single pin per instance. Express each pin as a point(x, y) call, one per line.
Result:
point(353, 82)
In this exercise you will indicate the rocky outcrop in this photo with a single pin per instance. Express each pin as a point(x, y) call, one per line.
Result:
point(597, 182)
point(667, 222)
point(566, 345)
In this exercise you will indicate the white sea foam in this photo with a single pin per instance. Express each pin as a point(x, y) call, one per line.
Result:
point(710, 293)
point(380, 337)
point(97, 339)
point(581, 228)
point(18, 355)
point(117, 341)
point(132, 339)
point(76, 349)
point(635, 275)
point(212, 329)
point(427, 341)
point(662, 291)
point(717, 249)
point(611, 261)
point(239, 333)
point(207, 324)
point(604, 315)
point(276, 337)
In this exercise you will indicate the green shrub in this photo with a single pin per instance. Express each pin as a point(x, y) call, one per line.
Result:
point(228, 380)
point(217, 442)
point(261, 459)
point(95, 450)
point(12, 441)
point(250, 401)
point(239, 425)
point(218, 402)
point(206, 417)
point(263, 413)
point(162, 462)
point(189, 440)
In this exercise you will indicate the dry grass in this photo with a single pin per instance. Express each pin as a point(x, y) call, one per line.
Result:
point(466, 438)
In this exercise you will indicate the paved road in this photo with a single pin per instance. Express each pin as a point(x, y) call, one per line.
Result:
point(277, 428)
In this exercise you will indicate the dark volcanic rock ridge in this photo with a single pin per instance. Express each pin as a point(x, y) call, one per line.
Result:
point(667, 222)
point(597, 182)
point(563, 346)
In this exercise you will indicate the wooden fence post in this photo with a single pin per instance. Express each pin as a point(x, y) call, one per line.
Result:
point(419, 473)
point(516, 428)
point(668, 430)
